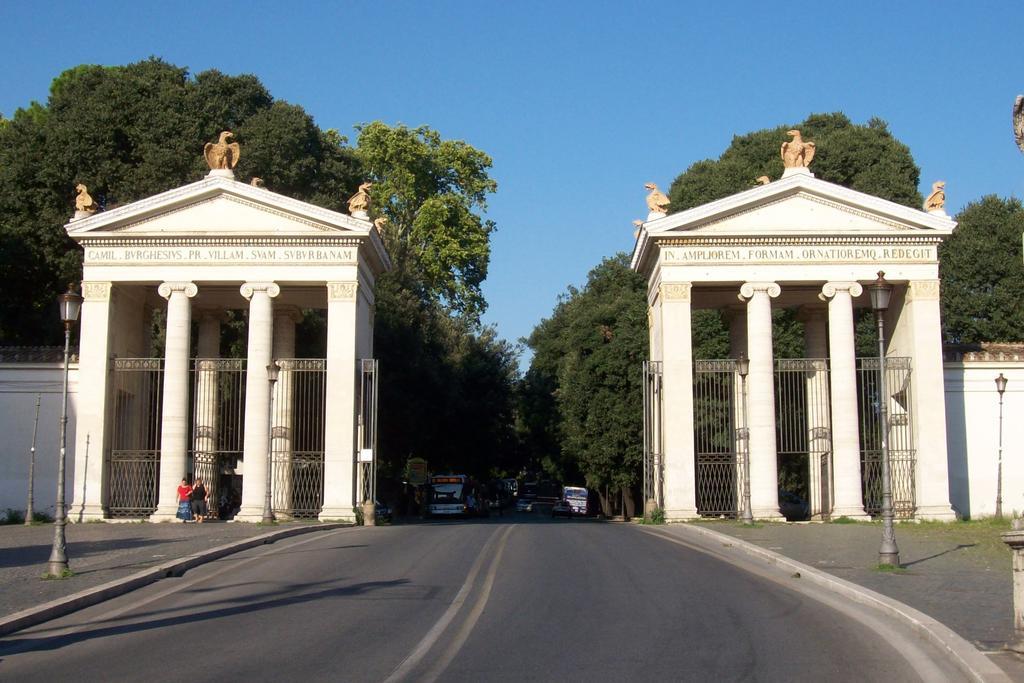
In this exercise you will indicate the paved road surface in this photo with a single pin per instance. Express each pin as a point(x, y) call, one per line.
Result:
point(519, 598)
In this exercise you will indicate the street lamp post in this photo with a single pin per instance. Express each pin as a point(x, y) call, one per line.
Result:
point(272, 371)
point(70, 307)
point(888, 553)
point(743, 369)
point(1000, 387)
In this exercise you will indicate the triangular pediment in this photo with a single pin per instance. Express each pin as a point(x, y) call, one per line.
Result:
point(216, 206)
point(803, 205)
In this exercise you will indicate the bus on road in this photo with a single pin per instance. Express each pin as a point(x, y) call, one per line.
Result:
point(576, 496)
point(452, 494)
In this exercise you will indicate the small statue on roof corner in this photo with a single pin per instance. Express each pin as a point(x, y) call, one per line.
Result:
point(84, 204)
point(936, 201)
point(359, 203)
point(657, 202)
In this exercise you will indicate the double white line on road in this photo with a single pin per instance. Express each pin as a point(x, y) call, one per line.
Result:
point(410, 663)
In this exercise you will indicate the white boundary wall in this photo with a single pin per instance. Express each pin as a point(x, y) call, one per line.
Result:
point(972, 428)
point(19, 385)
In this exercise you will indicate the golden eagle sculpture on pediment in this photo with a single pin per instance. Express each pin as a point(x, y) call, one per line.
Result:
point(222, 154)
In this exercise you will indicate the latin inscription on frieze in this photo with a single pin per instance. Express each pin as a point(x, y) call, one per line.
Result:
point(800, 254)
point(218, 255)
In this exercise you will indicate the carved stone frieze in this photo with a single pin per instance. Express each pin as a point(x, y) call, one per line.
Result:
point(96, 291)
point(676, 291)
point(923, 290)
point(341, 291)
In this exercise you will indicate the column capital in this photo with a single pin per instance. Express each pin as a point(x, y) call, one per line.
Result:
point(250, 288)
point(342, 291)
point(676, 291)
point(748, 289)
point(96, 291)
point(922, 290)
point(832, 288)
point(166, 289)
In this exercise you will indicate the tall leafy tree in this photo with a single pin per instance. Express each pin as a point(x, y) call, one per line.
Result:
point(592, 347)
point(982, 273)
point(129, 132)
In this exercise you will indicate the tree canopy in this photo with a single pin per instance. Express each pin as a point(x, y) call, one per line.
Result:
point(128, 132)
point(588, 359)
point(982, 273)
point(866, 158)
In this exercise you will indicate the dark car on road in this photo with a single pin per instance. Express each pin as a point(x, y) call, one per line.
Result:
point(561, 509)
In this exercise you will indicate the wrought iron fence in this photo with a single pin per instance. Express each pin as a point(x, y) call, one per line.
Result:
point(367, 424)
point(714, 431)
point(218, 421)
point(297, 438)
point(902, 454)
point(653, 476)
point(803, 431)
point(133, 463)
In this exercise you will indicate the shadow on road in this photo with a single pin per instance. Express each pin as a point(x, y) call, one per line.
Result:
point(944, 552)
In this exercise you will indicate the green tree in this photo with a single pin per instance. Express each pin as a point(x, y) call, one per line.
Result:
point(593, 347)
point(982, 273)
point(129, 132)
point(866, 158)
point(432, 192)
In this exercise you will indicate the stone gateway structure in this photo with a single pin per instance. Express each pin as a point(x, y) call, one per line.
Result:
point(146, 419)
point(805, 244)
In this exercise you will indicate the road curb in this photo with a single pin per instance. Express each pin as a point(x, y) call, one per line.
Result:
point(97, 594)
point(967, 658)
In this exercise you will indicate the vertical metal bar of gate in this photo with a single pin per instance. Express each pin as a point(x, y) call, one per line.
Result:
point(297, 438)
point(715, 437)
point(133, 462)
point(367, 425)
point(653, 476)
point(902, 454)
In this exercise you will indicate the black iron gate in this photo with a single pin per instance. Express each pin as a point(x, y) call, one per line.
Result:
point(715, 437)
point(653, 476)
point(367, 424)
point(803, 436)
point(298, 433)
point(133, 462)
point(218, 424)
point(902, 455)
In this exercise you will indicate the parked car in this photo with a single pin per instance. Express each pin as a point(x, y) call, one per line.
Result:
point(561, 508)
point(382, 511)
point(524, 505)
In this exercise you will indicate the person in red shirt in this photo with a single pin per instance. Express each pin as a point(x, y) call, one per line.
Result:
point(184, 501)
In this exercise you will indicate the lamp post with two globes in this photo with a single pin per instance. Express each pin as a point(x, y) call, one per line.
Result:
point(889, 553)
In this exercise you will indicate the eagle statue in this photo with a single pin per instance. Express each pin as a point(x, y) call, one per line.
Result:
point(796, 153)
point(1018, 121)
point(83, 201)
point(359, 203)
point(936, 201)
point(222, 154)
point(763, 180)
point(657, 201)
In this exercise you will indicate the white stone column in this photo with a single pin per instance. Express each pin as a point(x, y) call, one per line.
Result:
point(764, 466)
point(174, 417)
point(340, 412)
point(819, 428)
point(928, 402)
point(285, 319)
point(680, 474)
point(256, 446)
point(846, 470)
point(91, 436)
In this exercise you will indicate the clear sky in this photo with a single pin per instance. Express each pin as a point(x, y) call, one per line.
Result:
point(579, 103)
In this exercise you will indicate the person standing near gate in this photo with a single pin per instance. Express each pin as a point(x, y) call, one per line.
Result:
point(184, 501)
point(198, 497)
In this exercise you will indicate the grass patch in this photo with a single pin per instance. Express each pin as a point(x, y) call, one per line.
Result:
point(65, 574)
point(843, 520)
point(890, 569)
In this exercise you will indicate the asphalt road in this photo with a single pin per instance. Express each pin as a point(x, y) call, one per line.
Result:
point(518, 598)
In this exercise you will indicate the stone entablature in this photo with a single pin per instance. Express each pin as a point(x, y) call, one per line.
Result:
point(998, 352)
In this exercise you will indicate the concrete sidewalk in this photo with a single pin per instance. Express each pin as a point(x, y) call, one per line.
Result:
point(101, 553)
point(957, 573)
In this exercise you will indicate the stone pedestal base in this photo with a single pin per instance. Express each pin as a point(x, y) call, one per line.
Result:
point(767, 515)
point(369, 514)
point(339, 514)
point(650, 506)
point(937, 513)
point(250, 514)
point(681, 515)
point(850, 513)
point(86, 513)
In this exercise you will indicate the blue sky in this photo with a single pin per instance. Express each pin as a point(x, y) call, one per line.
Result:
point(579, 103)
